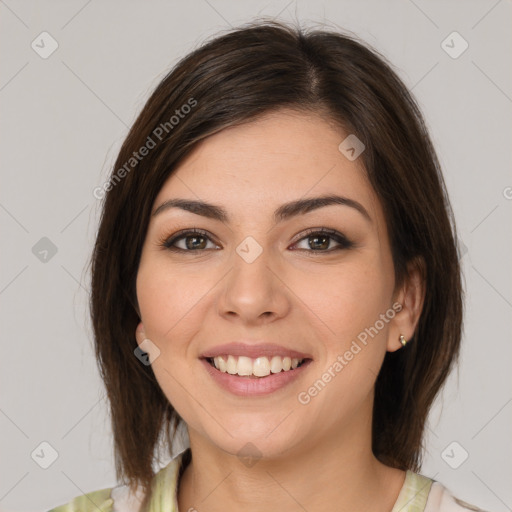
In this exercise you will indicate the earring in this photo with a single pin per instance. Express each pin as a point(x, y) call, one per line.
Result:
point(403, 341)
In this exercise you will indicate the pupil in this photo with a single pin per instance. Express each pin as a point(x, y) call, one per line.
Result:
point(191, 245)
point(324, 238)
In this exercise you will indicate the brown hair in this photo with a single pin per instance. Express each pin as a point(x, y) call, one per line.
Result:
point(232, 79)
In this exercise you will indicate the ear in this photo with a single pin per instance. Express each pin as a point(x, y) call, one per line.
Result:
point(140, 333)
point(411, 296)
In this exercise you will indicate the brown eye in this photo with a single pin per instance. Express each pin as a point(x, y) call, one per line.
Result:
point(192, 240)
point(321, 240)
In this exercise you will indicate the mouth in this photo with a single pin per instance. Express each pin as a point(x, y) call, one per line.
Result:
point(256, 368)
point(257, 380)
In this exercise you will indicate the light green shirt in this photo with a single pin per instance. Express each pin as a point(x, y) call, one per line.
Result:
point(418, 494)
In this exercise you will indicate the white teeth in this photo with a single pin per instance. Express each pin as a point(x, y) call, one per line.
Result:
point(231, 365)
point(259, 367)
point(276, 364)
point(221, 364)
point(244, 366)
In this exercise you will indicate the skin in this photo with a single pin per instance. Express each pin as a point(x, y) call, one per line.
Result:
point(315, 302)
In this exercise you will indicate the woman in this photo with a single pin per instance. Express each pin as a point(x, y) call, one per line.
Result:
point(276, 270)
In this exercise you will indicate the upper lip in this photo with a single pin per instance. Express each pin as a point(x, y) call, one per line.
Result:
point(253, 351)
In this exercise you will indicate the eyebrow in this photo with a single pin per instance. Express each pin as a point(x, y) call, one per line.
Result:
point(284, 212)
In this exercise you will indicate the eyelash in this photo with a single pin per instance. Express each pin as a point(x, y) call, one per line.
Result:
point(345, 243)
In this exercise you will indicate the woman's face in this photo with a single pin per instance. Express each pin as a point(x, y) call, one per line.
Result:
point(256, 278)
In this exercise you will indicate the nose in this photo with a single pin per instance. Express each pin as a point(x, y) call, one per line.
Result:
point(254, 292)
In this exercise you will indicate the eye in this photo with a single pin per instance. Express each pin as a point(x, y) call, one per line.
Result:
point(319, 240)
point(191, 240)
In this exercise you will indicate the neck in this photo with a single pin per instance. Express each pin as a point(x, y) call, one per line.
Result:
point(329, 473)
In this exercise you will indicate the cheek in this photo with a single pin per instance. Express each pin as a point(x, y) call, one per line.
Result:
point(349, 302)
point(170, 301)
point(347, 299)
point(170, 306)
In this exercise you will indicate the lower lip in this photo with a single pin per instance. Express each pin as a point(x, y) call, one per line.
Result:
point(258, 386)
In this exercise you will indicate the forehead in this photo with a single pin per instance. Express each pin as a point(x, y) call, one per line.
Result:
point(280, 157)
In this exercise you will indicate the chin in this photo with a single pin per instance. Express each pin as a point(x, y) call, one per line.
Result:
point(256, 444)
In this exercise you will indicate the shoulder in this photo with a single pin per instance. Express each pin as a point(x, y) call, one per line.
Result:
point(112, 499)
point(440, 499)
point(120, 499)
point(89, 502)
point(423, 494)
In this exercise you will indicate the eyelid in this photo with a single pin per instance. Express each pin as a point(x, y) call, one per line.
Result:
point(167, 240)
point(337, 236)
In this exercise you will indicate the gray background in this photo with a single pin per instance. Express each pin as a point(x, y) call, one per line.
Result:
point(62, 121)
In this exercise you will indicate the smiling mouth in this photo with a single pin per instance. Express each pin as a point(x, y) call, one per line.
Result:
point(255, 368)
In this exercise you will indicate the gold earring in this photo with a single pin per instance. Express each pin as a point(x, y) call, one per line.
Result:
point(403, 341)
